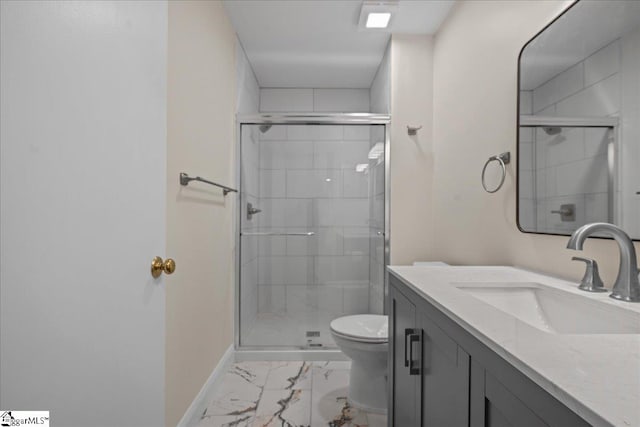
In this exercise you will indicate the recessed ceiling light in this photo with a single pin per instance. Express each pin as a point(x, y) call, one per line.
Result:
point(377, 15)
point(378, 20)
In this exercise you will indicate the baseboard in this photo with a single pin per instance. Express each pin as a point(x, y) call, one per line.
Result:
point(197, 407)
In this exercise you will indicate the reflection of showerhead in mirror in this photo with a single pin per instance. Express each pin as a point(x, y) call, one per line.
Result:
point(264, 128)
point(551, 130)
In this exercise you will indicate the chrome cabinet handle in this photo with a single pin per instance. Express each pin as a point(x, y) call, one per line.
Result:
point(269, 233)
point(407, 333)
point(414, 369)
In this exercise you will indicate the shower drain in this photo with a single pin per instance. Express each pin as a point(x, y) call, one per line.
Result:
point(310, 335)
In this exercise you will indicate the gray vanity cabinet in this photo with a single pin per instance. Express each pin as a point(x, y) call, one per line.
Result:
point(445, 377)
point(496, 406)
point(406, 387)
point(430, 371)
point(442, 376)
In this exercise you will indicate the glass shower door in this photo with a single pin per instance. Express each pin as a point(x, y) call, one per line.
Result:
point(312, 230)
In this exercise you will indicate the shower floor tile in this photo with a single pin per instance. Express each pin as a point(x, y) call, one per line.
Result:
point(289, 394)
point(289, 330)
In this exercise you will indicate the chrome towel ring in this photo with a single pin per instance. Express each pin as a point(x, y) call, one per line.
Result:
point(504, 159)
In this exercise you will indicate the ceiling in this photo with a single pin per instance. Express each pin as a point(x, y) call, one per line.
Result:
point(317, 43)
point(581, 31)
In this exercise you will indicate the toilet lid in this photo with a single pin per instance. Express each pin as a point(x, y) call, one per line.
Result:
point(365, 327)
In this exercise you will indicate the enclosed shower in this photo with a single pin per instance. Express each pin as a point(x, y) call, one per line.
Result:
point(312, 226)
point(566, 173)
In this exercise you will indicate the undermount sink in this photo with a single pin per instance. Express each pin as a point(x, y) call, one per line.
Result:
point(554, 311)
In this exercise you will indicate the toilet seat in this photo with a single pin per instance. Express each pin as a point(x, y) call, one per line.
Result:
point(367, 328)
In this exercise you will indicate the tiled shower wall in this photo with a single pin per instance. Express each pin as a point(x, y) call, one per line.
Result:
point(526, 166)
point(304, 178)
point(567, 168)
point(571, 167)
point(629, 189)
point(380, 95)
point(310, 100)
point(309, 183)
point(250, 189)
point(376, 175)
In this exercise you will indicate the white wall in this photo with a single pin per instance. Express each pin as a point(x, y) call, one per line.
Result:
point(475, 79)
point(380, 91)
point(412, 158)
point(201, 141)
point(83, 166)
point(248, 90)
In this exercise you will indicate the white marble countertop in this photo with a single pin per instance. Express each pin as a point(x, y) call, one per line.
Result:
point(597, 376)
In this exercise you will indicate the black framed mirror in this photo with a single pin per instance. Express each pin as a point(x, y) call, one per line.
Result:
point(578, 154)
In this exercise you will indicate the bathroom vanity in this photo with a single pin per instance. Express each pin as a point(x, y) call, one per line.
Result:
point(500, 346)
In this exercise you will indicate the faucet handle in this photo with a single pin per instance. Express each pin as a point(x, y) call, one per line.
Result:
point(591, 282)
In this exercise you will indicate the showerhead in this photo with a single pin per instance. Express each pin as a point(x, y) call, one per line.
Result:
point(264, 128)
point(552, 130)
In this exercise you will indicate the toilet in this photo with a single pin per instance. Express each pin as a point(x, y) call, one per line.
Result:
point(364, 338)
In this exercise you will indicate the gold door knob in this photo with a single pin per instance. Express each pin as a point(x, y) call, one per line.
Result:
point(158, 266)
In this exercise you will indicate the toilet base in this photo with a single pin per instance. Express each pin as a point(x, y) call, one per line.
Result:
point(368, 385)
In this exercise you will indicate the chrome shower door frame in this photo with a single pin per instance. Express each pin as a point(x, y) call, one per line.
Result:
point(304, 119)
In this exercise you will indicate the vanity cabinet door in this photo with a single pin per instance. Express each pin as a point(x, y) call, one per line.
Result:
point(445, 378)
point(405, 401)
point(494, 405)
point(442, 376)
point(504, 409)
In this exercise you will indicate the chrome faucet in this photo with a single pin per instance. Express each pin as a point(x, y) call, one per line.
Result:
point(627, 285)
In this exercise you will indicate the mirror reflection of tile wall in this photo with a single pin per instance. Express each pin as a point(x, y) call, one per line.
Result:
point(569, 165)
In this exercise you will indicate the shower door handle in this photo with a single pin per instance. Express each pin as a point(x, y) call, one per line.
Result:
point(251, 211)
point(268, 233)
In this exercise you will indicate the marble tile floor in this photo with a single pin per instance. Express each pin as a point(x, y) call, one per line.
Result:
point(286, 394)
